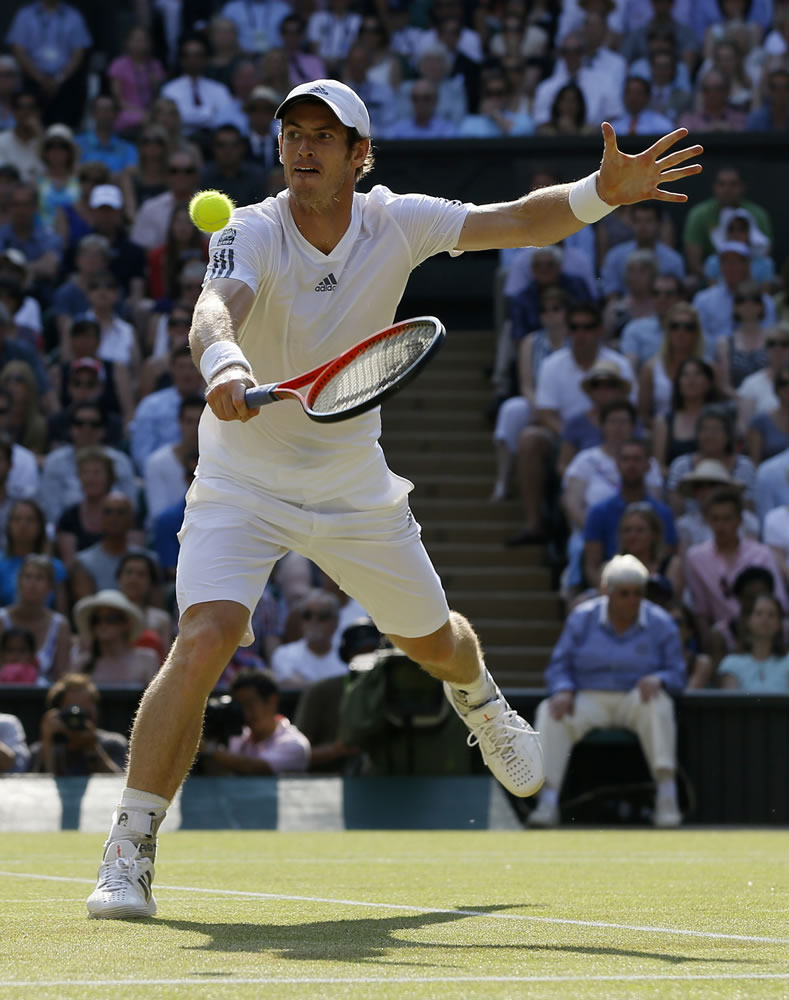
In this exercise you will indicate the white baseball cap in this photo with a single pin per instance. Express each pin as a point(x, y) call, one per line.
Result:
point(106, 194)
point(343, 101)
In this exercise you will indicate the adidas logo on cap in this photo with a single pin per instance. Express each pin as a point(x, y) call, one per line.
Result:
point(328, 284)
point(319, 90)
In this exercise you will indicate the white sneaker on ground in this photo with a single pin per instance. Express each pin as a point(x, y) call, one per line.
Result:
point(667, 815)
point(124, 889)
point(509, 746)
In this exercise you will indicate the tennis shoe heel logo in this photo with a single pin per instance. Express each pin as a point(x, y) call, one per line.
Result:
point(328, 284)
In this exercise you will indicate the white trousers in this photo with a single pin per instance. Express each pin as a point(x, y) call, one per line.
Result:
point(652, 721)
point(514, 414)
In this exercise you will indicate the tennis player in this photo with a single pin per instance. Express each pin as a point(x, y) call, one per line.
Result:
point(292, 282)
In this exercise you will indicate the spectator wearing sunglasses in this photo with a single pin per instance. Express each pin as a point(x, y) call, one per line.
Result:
point(495, 117)
point(682, 340)
point(313, 657)
point(745, 351)
point(109, 624)
point(60, 482)
point(153, 218)
point(756, 393)
point(715, 304)
point(768, 433)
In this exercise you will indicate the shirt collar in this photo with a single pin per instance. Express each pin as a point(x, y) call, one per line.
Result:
point(641, 621)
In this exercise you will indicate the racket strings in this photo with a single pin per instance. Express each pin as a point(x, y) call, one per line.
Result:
point(375, 370)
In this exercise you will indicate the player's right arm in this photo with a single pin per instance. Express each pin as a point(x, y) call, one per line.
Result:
point(220, 311)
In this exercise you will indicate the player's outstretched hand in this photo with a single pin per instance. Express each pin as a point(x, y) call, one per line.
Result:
point(624, 179)
point(225, 395)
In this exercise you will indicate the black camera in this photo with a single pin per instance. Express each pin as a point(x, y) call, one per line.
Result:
point(223, 719)
point(75, 719)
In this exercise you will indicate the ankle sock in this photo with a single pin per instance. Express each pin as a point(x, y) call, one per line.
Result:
point(475, 693)
point(667, 790)
point(548, 796)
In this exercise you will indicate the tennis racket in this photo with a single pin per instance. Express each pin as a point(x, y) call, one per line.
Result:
point(361, 377)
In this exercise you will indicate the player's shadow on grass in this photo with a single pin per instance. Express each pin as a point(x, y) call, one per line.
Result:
point(375, 938)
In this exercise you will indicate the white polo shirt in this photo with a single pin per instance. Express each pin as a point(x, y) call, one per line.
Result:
point(559, 381)
point(309, 307)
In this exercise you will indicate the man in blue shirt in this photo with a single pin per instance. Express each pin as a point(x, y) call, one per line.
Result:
point(50, 41)
point(616, 662)
point(601, 531)
point(101, 142)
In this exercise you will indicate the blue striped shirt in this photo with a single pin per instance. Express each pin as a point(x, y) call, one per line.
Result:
point(591, 656)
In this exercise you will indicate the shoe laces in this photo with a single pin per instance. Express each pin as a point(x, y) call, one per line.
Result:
point(117, 874)
point(498, 735)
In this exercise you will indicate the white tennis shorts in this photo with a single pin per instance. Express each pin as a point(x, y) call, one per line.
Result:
point(231, 539)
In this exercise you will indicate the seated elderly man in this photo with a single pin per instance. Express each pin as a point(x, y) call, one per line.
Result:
point(616, 660)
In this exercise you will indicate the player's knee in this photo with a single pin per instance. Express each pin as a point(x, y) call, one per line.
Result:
point(436, 648)
point(209, 634)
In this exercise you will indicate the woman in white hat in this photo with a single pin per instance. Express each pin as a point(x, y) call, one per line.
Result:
point(59, 185)
point(109, 624)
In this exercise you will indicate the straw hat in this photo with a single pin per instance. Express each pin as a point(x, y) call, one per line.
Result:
point(83, 612)
point(708, 470)
point(607, 369)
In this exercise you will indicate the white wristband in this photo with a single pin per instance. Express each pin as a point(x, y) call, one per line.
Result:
point(585, 203)
point(220, 355)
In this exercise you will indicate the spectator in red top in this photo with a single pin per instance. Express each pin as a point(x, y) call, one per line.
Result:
point(184, 242)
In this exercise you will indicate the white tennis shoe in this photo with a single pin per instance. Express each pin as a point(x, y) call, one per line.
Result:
point(509, 746)
point(124, 889)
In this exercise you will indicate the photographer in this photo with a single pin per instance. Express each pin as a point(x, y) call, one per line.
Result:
point(267, 744)
point(71, 742)
point(14, 753)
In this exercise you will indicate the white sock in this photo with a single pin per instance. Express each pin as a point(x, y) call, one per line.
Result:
point(667, 789)
point(138, 816)
point(549, 796)
point(475, 693)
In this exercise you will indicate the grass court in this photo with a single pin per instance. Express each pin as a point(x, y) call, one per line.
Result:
point(584, 915)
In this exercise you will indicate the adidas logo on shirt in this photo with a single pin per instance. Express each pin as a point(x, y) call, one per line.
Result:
point(328, 284)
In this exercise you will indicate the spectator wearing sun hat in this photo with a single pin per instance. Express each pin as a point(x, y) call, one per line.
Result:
point(109, 624)
point(697, 484)
point(715, 305)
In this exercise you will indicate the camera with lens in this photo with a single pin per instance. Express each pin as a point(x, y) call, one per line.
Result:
point(223, 719)
point(75, 719)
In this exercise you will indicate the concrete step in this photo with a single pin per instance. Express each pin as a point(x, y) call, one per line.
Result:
point(517, 632)
point(511, 603)
point(398, 417)
point(519, 677)
point(456, 487)
point(414, 465)
point(433, 439)
point(514, 662)
point(445, 397)
point(475, 555)
point(486, 577)
point(439, 510)
point(488, 532)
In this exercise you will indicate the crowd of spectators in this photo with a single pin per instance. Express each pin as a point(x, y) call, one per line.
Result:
point(642, 371)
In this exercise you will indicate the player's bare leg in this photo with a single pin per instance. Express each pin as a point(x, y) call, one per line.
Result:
point(164, 741)
point(509, 745)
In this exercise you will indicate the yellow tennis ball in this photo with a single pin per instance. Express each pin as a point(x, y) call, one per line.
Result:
point(211, 210)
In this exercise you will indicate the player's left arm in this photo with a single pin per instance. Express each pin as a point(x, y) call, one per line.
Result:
point(544, 217)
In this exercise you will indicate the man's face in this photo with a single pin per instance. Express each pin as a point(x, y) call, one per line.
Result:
point(735, 268)
point(633, 465)
point(665, 294)
point(645, 226)
point(724, 520)
point(320, 620)
point(617, 428)
point(182, 176)
point(23, 208)
point(259, 714)
point(189, 422)
point(636, 97)
point(778, 88)
point(261, 115)
point(116, 515)
point(595, 29)
point(9, 82)
point(107, 220)
point(87, 427)
point(585, 333)
point(228, 149)
point(423, 102)
point(664, 69)
point(714, 93)
point(26, 112)
point(728, 188)
point(545, 268)
point(104, 114)
point(573, 48)
point(90, 261)
point(314, 149)
point(186, 377)
point(624, 602)
point(193, 59)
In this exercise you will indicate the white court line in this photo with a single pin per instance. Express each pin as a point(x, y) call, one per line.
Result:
point(325, 980)
point(276, 896)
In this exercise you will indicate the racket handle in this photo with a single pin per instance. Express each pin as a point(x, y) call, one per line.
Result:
point(261, 395)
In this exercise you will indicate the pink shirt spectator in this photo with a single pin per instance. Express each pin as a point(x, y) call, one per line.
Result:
point(287, 749)
point(710, 578)
point(138, 85)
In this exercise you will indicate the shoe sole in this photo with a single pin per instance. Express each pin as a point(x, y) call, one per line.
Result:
point(123, 912)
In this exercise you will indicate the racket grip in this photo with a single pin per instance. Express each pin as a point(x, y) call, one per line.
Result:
point(261, 395)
